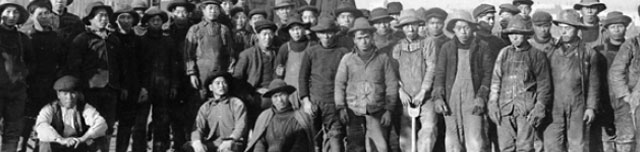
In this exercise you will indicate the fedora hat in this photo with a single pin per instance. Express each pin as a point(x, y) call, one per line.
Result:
point(122, 10)
point(347, 7)
point(518, 25)
point(459, 15)
point(293, 20)
point(139, 4)
point(277, 86)
point(408, 16)
point(616, 17)
point(24, 14)
point(379, 15)
point(569, 16)
point(325, 23)
point(361, 24)
point(152, 12)
point(283, 3)
point(91, 7)
point(587, 3)
point(184, 3)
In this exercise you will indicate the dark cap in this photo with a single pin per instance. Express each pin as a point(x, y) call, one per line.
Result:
point(33, 5)
point(518, 2)
point(436, 12)
point(347, 7)
point(308, 8)
point(509, 8)
point(66, 83)
point(541, 18)
point(122, 10)
point(394, 8)
point(616, 17)
point(277, 86)
point(184, 3)
point(325, 23)
point(265, 24)
point(258, 11)
point(237, 9)
point(215, 74)
point(483, 9)
point(152, 12)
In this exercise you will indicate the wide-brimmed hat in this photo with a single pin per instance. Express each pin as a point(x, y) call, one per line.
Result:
point(459, 15)
point(517, 2)
point(308, 8)
point(408, 16)
point(380, 14)
point(265, 24)
point(436, 12)
point(569, 16)
point(483, 9)
point(277, 86)
point(506, 7)
point(587, 3)
point(33, 5)
point(361, 24)
point(394, 8)
point(140, 4)
point(283, 3)
point(24, 14)
point(346, 7)
point(325, 23)
point(184, 3)
point(152, 12)
point(124, 9)
point(541, 18)
point(258, 11)
point(616, 17)
point(91, 7)
point(518, 25)
point(67, 83)
point(215, 74)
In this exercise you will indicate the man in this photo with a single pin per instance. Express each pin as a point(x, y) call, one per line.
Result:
point(462, 78)
point(542, 39)
point(283, 10)
point(485, 14)
point(394, 9)
point(309, 15)
point(241, 35)
point(69, 123)
point(520, 89)
point(416, 58)
point(139, 6)
point(623, 77)
point(614, 125)
point(226, 6)
point(208, 46)
point(316, 83)
point(345, 17)
point(68, 24)
point(525, 7)
point(383, 37)
point(95, 58)
point(506, 12)
point(366, 91)
point(16, 46)
point(221, 122)
point(281, 128)
point(434, 23)
point(290, 54)
point(590, 10)
point(576, 91)
point(46, 61)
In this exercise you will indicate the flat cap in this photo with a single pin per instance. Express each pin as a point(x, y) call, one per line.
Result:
point(66, 83)
point(394, 8)
point(483, 9)
point(540, 18)
point(509, 8)
point(436, 12)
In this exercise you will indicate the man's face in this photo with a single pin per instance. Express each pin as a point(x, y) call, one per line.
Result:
point(488, 18)
point(125, 21)
point(309, 17)
point(58, 5)
point(463, 31)
point(617, 31)
point(280, 100)
point(68, 99)
point(434, 26)
point(43, 16)
point(265, 38)
point(155, 22)
point(283, 13)
point(525, 9)
point(296, 32)
point(345, 19)
point(326, 38)
point(10, 16)
point(567, 32)
point(180, 14)
point(211, 12)
point(255, 18)
point(226, 6)
point(363, 40)
point(517, 39)
point(101, 19)
point(239, 20)
point(589, 11)
point(382, 27)
point(411, 30)
point(542, 30)
point(506, 15)
point(219, 86)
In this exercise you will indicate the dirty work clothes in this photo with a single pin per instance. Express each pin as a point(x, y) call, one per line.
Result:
point(545, 46)
point(593, 34)
point(623, 78)
point(520, 88)
point(366, 86)
point(439, 40)
point(69, 26)
point(385, 42)
point(376, 136)
point(207, 49)
point(416, 59)
point(603, 129)
point(96, 60)
point(575, 76)
point(284, 130)
point(256, 67)
point(220, 118)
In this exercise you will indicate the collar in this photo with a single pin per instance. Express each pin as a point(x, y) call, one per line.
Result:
point(525, 47)
point(285, 110)
point(224, 99)
point(8, 28)
point(207, 22)
point(568, 46)
point(459, 45)
point(535, 38)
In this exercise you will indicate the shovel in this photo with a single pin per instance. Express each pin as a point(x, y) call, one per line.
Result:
point(414, 112)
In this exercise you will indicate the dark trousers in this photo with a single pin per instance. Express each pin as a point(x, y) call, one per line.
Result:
point(327, 122)
point(97, 144)
point(159, 98)
point(365, 133)
point(12, 104)
point(39, 94)
point(132, 117)
point(210, 147)
point(105, 100)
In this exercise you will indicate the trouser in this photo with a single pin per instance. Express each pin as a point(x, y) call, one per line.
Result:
point(180, 118)
point(12, 104)
point(132, 117)
point(465, 131)
point(40, 93)
point(625, 132)
point(426, 137)
point(159, 98)
point(326, 121)
point(568, 131)
point(105, 101)
point(367, 126)
point(515, 134)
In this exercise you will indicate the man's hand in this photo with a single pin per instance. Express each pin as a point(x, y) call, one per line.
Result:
point(536, 116)
point(144, 95)
point(479, 107)
point(343, 115)
point(307, 106)
point(419, 98)
point(441, 107)
point(386, 119)
point(226, 145)
point(280, 70)
point(262, 90)
point(198, 146)
point(405, 99)
point(67, 142)
point(589, 115)
point(195, 81)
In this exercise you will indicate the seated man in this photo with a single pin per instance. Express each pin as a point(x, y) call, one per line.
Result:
point(281, 128)
point(69, 124)
point(220, 124)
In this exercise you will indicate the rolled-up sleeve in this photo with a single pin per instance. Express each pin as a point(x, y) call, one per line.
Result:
point(46, 132)
point(97, 124)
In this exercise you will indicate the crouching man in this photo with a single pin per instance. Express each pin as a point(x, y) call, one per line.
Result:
point(69, 124)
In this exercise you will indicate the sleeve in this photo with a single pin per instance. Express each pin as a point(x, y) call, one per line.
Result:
point(341, 83)
point(175, 64)
point(392, 85)
point(439, 75)
point(543, 80)
point(27, 55)
point(429, 56)
point(261, 145)
point(190, 49)
point(46, 132)
point(228, 38)
point(97, 124)
point(496, 80)
point(487, 71)
point(200, 124)
point(593, 95)
point(281, 59)
point(240, 68)
point(305, 75)
point(76, 61)
point(240, 113)
point(618, 70)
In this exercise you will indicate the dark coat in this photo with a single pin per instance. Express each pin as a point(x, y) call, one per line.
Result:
point(249, 66)
point(85, 58)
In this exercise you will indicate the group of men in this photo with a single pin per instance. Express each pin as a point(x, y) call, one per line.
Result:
point(301, 76)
